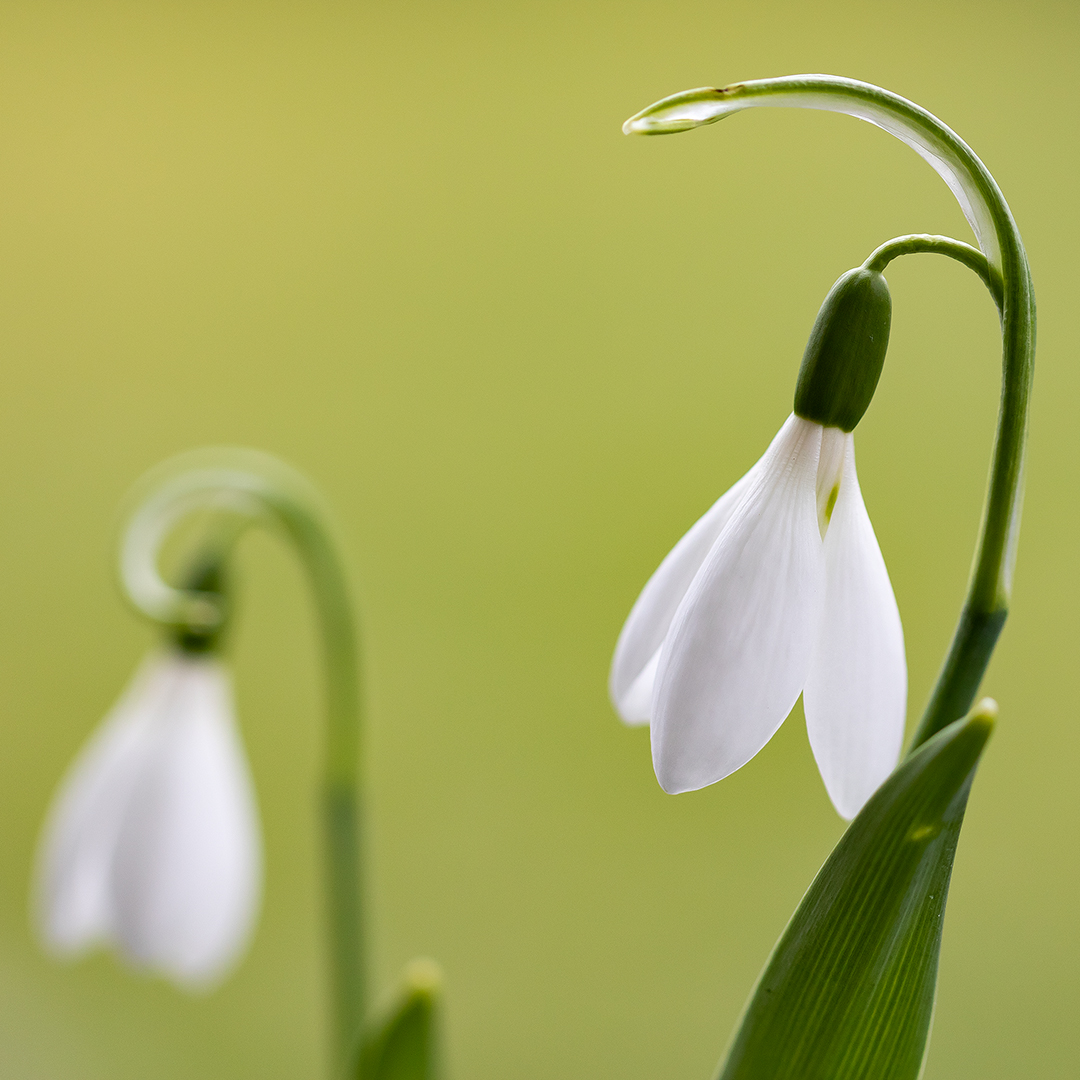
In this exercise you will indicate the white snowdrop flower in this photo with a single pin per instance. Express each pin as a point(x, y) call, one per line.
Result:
point(780, 589)
point(152, 843)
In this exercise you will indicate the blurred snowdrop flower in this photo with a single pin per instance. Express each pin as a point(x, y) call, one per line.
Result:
point(780, 589)
point(152, 842)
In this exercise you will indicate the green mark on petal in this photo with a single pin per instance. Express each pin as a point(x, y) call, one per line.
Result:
point(831, 503)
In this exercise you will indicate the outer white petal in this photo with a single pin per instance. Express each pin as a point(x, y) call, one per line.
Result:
point(186, 871)
point(73, 898)
point(637, 652)
point(737, 654)
point(856, 691)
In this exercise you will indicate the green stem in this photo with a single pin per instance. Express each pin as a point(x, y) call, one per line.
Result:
point(243, 488)
point(990, 584)
point(925, 243)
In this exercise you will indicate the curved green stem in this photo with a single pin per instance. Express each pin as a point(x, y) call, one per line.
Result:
point(242, 488)
point(986, 604)
point(926, 243)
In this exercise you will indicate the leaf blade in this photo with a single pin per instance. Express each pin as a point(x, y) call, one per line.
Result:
point(404, 1045)
point(848, 991)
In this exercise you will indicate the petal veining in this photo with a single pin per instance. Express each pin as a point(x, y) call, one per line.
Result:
point(855, 697)
point(736, 656)
point(187, 867)
point(633, 667)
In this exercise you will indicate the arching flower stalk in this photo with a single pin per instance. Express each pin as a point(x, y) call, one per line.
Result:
point(152, 844)
point(780, 589)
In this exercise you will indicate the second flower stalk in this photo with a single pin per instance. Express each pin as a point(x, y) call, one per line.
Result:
point(153, 843)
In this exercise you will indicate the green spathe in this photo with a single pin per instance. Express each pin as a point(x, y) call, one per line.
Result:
point(846, 351)
point(848, 992)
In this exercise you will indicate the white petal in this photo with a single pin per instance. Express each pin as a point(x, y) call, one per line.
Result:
point(830, 473)
point(739, 647)
point(635, 705)
point(856, 691)
point(637, 652)
point(73, 898)
point(187, 871)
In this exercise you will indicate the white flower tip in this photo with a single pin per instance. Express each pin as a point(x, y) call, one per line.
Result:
point(852, 774)
point(66, 927)
point(634, 706)
point(203, 971)
point(848, 802)
point(152, 843)
point(680, 769)
point(673, 783)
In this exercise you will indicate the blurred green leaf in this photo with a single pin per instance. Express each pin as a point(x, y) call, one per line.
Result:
point(403, 1045)
point(848, 992)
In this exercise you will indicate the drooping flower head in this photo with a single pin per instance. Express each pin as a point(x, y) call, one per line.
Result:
point(152, 842)
point(781, 590)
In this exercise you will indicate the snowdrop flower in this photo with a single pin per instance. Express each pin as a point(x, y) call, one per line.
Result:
point(781, 589)
point(152, 842)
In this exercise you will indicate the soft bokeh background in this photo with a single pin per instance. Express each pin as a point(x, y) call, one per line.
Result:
point(407, 248)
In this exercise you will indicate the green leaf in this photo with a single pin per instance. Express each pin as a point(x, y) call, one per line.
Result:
point(403, 1045)
point(848, 992)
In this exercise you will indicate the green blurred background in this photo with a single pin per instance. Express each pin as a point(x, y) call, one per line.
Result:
point(407, 248)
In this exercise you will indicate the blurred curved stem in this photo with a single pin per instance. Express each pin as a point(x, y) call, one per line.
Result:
point(241, 489)
point(983, 204)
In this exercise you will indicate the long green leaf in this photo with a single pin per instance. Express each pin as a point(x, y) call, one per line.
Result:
point(404, 1045)
point(848, 993)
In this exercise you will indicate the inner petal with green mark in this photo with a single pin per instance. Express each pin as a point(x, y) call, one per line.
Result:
point(829, 474)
